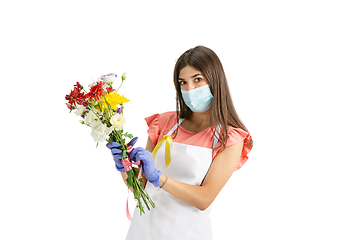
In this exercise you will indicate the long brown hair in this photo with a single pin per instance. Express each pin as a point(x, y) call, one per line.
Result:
point(223, 111)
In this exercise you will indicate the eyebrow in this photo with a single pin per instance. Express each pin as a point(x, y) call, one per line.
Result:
point(191, 76)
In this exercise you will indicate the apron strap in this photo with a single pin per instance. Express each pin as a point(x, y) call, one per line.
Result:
point(176, 126)
point(216, 137)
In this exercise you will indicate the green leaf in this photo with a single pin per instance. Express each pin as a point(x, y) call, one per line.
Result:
point(130, 180)
point(128, 135)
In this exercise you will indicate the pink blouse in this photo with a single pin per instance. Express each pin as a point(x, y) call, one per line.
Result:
point(161, 124)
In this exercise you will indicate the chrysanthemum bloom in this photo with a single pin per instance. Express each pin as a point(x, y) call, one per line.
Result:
point(123, 100)
point(76, 96)
point(110, 89)
point(96, 91)
point(113, 99)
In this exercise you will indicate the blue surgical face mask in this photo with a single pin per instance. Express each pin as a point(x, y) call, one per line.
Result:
point(198, 99)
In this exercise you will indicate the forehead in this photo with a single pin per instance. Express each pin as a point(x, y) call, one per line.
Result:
point(188, 72)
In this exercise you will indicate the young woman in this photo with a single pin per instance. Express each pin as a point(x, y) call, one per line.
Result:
point(209, 143)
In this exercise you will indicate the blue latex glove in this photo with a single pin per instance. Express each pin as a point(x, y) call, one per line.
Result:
point(118, 153)
point(149, 170)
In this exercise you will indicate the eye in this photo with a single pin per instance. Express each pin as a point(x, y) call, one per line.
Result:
point(198, 80)
point(182, 82)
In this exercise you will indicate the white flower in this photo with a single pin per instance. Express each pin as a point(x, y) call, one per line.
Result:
point(79, 111)
point(93, 83)
point(92, 120)
point(109, 78)
point(101, 132)
point(117, 121)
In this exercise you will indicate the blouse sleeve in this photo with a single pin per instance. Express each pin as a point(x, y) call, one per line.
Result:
point(154, 127)
point(160, 124)
point(236, 135)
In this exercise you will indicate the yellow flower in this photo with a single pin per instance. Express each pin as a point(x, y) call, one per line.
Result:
point(123, 100)
point(113, 99)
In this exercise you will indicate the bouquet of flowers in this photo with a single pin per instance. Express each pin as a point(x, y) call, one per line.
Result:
point(102, 110)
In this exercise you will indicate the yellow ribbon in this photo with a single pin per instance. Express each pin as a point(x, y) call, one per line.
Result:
point(168, 140)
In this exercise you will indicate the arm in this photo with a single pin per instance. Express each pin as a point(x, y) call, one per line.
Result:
point(219, 173)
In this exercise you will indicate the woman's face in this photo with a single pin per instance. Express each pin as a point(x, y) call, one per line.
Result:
point(190, 78)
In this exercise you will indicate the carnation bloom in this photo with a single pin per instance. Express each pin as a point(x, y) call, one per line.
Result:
point(117, 121)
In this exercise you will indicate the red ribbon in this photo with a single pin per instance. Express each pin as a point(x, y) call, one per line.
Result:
point(127, 163)
point(128, 166)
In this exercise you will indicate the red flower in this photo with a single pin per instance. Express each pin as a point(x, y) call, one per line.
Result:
point(75, 97)
point(109, 89)
point(77, 85)
point(96, 91)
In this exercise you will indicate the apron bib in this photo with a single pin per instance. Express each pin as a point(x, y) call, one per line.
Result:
point(172, 219)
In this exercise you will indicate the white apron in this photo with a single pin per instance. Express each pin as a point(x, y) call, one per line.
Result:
point(172, 219)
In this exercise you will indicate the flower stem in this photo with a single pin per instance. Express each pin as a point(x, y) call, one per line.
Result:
point(120, 85)
point(109, 106)
point(140, 194)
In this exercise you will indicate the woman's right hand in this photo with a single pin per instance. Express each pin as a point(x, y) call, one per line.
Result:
point(151, 173)
point(118, 153)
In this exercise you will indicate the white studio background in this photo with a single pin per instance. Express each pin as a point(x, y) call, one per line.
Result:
point(293, 69)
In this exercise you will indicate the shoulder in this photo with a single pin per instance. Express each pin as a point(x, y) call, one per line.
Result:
point(238, 140)
point(237, 134)
point(161, 119)
point(159, 124)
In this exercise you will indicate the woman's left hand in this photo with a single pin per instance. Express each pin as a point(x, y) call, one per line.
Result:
point(150, 172)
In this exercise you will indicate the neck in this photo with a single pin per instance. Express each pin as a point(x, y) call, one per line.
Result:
point(201, 120)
